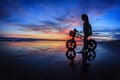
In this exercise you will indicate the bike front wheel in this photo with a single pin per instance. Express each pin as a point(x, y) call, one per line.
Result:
point(71, 44)
point(70, 54)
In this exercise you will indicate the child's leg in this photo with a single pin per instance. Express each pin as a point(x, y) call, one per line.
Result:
point(85, 43)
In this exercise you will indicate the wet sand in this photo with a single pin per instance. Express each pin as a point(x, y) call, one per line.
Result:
point(47, 61)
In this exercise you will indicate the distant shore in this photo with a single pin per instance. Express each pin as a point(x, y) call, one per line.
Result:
point(26, 39)
point(12, 39)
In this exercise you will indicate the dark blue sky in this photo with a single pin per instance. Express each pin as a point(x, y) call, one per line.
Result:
point(46, 18)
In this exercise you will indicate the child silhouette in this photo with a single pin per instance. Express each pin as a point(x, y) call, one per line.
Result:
point(86, 30)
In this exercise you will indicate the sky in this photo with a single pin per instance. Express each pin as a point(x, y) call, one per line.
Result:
point(53, 19)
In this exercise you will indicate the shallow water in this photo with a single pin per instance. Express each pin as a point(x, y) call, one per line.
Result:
point(43, 60)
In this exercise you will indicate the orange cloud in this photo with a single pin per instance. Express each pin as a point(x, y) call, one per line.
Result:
point(49, 35)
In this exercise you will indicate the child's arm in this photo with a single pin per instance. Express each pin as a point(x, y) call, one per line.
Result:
point(90, 30)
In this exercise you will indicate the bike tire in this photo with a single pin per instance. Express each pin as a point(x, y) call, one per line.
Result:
point(92, 44)
point(71, 44)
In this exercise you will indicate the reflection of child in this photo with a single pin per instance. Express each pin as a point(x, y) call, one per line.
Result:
point(86, 29)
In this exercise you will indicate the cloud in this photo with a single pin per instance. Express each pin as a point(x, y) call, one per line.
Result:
point(69, 19)
point(44, 26)
point(96, 6)
point(10, 8)
point(4, 11)
point(22, 7)
point(51, 16)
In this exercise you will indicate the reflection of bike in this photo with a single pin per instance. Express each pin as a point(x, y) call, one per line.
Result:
point(71, 44)
point(85, 65)
point(70, 54)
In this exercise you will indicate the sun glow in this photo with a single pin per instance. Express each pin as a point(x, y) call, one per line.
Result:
point(56, 36)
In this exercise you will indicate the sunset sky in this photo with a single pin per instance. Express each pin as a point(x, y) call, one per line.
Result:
point(52, 19)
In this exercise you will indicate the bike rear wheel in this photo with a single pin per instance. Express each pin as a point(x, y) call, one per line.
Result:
point(92, 44)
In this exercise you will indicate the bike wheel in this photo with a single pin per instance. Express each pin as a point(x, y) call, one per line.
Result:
point(71, 44)
point(70, 54)
point(91, 55)
point(92, 44)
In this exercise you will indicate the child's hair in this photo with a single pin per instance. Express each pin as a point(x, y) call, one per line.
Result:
point(84, 17)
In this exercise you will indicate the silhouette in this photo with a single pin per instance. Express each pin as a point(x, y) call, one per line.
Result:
point(71, 44)
point(70, 54)
point(89, 56)
point(86, 58)
point(89, 45)
point(85, 65)
point(86, 30)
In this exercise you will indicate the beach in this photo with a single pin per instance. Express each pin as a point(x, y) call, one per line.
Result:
point(46, 60)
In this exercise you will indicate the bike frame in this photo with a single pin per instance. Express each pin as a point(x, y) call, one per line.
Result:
point(77, 34)
point(71, 44)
